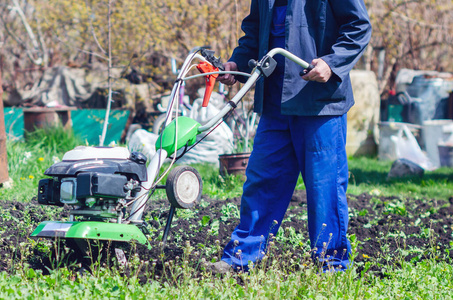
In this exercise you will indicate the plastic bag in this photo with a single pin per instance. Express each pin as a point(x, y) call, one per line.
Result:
point(406, 146)
point(143, 141)
point(219, 141)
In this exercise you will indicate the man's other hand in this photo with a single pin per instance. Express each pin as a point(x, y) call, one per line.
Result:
point(320, 73)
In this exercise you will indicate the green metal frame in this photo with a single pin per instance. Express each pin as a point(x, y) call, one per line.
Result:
point(187, 135)
point(92, 230)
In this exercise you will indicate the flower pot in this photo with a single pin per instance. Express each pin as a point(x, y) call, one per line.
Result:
point(233, 164)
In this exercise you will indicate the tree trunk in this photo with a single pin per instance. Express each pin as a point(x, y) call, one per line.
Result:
point(3, 160)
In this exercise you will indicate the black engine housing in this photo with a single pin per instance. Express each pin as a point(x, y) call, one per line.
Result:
point(96, 178)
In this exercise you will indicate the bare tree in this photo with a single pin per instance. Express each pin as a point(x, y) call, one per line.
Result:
point(3, 157)
point(414, 34)
point(144, 34)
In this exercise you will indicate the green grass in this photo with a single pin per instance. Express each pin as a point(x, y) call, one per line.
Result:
point(369, 175)
point(27, 160)
point(430, 278)
point(427, 280)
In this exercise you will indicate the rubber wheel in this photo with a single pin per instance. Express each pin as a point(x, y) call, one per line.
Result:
point(184, 187)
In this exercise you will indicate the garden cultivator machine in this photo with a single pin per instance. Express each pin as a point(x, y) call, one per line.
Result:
point(107, 188)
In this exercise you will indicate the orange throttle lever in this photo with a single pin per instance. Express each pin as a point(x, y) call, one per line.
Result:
point(205, 67)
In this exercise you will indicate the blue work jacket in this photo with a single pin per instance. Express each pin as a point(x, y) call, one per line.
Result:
point(336, 31)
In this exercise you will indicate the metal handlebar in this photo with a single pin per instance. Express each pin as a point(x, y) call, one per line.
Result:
point(262, 67)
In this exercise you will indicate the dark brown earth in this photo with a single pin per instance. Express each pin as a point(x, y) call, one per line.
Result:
point(388, 230)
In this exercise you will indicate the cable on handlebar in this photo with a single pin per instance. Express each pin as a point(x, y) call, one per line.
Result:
point(183, 152)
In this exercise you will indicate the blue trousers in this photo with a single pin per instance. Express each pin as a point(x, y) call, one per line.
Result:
point(284, 147)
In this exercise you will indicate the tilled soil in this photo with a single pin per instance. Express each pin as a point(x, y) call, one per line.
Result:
point(388, 230)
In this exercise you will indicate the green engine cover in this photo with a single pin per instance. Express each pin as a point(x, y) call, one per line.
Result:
point(187, 131)
point(90, 230)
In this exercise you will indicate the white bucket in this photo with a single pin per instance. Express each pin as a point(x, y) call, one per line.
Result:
point(433, 133)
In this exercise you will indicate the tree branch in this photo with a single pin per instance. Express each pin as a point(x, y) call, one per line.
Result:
point(418, 22)
point(39, 60)
point(81, 50)
point(93, 33)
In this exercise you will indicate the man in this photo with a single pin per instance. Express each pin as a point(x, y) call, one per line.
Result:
point(302, 128)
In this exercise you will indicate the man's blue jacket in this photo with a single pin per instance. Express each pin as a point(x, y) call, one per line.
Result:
point(336, 31)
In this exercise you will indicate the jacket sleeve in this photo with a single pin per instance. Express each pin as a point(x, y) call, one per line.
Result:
point(354, 35)
point(248, 44)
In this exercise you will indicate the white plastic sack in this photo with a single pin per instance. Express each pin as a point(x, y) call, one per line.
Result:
point(219, 141)
point(406, 146)
point(143, 141)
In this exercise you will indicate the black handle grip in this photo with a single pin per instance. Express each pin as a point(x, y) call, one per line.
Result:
point(306, 70)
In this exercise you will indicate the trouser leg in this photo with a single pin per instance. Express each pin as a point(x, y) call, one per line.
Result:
point(315, 146)
point(272, 174)
point(323, 160)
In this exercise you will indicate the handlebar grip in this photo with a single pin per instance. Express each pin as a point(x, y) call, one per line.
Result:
point(306, 70)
